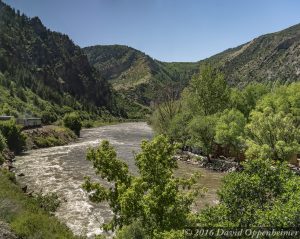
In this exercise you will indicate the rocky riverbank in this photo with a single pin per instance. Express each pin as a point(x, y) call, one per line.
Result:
point(216, 164)
point(48, 136)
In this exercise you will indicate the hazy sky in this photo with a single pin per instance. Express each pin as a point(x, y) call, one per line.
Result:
point(168, 30)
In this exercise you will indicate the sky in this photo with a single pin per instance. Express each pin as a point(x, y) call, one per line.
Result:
point(167, 30)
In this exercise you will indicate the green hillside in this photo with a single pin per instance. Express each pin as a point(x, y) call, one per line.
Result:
point(41, 69)
point(272, 57)
point(136, 75)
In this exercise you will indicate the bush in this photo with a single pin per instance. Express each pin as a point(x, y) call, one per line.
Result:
point(48, 117)
point(49, 202)
point(87, 124)
point(73, 122)
point(14, 137)
point(2, 142)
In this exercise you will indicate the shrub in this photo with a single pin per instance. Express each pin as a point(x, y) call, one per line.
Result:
point(73, 122)
point(14, 137)
point(48, 117)
point(87, 124)
point(49, 202)
point(2, 142)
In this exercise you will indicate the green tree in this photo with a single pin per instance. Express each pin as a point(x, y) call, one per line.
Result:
point(178, 127)
point(230, 130)
point(155, 198)
point(283, 99)
point(163, 115)
point(246, 99)
point(272, 135)
point(73, 122)
point(202, 130)
point(207, 93)
point(264, 194)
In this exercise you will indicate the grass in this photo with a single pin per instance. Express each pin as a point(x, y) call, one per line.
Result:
point(24, 214)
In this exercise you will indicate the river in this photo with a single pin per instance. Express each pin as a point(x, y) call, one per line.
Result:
point(61, 170)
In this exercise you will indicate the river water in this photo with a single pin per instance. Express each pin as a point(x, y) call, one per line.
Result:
point(61, 170)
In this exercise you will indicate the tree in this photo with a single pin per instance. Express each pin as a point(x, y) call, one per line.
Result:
point(207, 93)
point(155, 198)
point(246, 99)
point(264, 194)
point(178, 127)
point(283, 99)
point(73, 122)
point(167, 107)
point(230, 130)
point(272, 135)
point(164, 114)
point(202, 131)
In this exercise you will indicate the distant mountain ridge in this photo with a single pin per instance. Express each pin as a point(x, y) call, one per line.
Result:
point(136, 74)
point(270, 58)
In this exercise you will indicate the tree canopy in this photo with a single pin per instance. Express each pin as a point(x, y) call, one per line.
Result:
point(155, 198)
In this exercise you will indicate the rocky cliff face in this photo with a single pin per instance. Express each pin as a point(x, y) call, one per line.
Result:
point(47, 62)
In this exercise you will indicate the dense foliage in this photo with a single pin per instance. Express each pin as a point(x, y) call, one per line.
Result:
point(264, 194)
point(15, 139)
point(73, 122)
point(260, 123)
point(216, 120)
point(154, 198)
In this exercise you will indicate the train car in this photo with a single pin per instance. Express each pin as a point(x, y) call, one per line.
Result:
point(5, 117)
point(30, 122)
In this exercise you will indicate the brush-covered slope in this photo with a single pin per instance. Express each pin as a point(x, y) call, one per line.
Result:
point(272, 58)
point(137, 75)
point(40, 68)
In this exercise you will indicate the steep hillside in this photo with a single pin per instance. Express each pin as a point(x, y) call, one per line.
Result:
point(40, 68)
point(272, 58)
point(137, 75)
